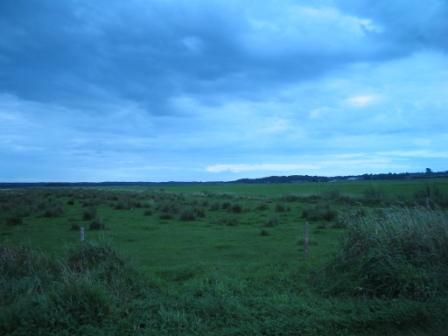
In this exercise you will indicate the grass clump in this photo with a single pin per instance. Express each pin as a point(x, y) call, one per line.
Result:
point(236, 208)
point(97, 224)
point(281, 208)
point(262, 207)
point(14, 220)
point(264, 233)
point(229, 221)
point(53, 210)
point(89, 292)
point(373, 196)
point(188, 215)
point(75, 227)
point(89, 214)
point(431, 197)
point(320, 213)
point(271, 222)
point(403, 253)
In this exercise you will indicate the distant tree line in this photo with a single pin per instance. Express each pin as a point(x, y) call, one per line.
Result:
point(270, 179)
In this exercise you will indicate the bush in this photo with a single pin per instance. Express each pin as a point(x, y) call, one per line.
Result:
point(236, 208)
point(97, 224)
point(165, 216)
point(229, 221)
point(347, 216)
point(89, 214)
point(431, 197)
point(92, 255)
point(52, 211)
point(401, 254)
point(271, 222)
point(262, 207)
point(264, 233)
point(147, 213)
point(199, 212)
point(188, 215)
point(226, 205)
point(14, 220)
point(122, 206)
point(373, 196)
point(171, 208)
point(281, 208)
point(75, 227)
point(320, 212)
point(214, 207)
point(290, 198)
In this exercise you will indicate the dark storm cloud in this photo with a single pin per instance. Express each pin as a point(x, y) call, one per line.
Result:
point(80, 52)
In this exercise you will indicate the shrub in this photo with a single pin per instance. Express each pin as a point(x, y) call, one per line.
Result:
point(319, 212)
point(401, 254)
point(199, 212)
point(226, 205)
point(75, 227)
point(431, 197)
point(280, 208)
point(168, 208)
point(14, 220)
point(272, 221)
point(92, 255)
point(188, 215)
point(236, 208)
point(70, 202)
point(89, 214)
point(165, 216)
point(55, 210)
point(373, 196)
point(214, 207)
point(262, 207)
point(229, 221)
point(290, 198)
point(264, 233)
point(97, 224)
point(122, 205)
point(147, 213)
point(347, 216)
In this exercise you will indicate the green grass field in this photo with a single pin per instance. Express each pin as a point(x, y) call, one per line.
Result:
point(228, 259)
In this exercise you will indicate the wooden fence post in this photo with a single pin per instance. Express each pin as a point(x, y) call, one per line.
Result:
point(82, 234)
point(306, 241)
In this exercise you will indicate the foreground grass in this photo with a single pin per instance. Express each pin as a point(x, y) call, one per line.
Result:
point(92, 291)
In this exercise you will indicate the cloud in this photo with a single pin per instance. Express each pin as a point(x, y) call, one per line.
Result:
point(156, 90)
point(362, 100)
point(271, 167)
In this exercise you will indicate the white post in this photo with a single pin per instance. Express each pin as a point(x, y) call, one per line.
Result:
point(306, 241)
point(82, 233)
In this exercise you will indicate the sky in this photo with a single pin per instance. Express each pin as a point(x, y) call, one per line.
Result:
point(204, 90)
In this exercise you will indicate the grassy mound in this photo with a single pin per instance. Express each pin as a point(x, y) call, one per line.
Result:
point(92, 291)
point(400, 253)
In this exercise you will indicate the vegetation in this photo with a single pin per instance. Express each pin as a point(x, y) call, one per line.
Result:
point(208, 261)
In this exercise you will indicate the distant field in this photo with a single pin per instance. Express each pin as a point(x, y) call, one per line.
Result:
point(180, 237)
point(403, 188)
point(157, 245)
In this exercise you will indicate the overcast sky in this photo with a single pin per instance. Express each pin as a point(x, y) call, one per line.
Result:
point(156, 90)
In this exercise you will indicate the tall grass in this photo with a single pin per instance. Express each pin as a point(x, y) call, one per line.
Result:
point(400, 253)
point(93, 291)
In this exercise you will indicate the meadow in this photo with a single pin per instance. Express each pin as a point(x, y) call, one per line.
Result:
point(340, 258)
